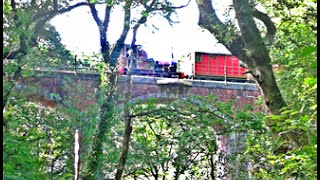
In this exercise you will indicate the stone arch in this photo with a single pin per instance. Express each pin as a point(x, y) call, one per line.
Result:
point(224, 141)
point(160, 96)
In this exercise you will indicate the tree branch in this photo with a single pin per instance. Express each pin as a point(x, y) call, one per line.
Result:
point(271, 28)
point(95, 16)
point(248, 46)
point(40, 20)
point(45, 12)
point(173, 7)
point(106, 18)
point(13, 5)
point(250, 33)
point(69, 8)
point(152, 112)
point(126, 26)
point(209, 20)
point(127, 122)
point(55, 5)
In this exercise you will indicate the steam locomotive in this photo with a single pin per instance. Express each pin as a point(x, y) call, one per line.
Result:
point(198, 65)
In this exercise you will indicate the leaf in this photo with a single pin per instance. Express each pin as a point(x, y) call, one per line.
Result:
point(314, 64)
point(310, 81)
point(314, 107)
point(308, 51)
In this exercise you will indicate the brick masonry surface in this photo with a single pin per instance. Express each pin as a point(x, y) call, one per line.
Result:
point(81, 89)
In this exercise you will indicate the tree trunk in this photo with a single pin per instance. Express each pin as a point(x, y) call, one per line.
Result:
point(16, 75)
point(260, 55)
point(128, 126)
point(127, 118)
point(125, 148)
point(105, 117)
point(76, 154)
point(212, 166)
point(177, 173)
point(106, 110)
point(249, 47)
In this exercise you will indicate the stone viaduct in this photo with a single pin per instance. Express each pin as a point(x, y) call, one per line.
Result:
point(47, 86)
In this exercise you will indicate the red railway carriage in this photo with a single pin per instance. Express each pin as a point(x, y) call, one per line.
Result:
point(217, 66)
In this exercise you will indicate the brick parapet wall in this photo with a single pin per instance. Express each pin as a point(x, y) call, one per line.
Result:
point(83, 88)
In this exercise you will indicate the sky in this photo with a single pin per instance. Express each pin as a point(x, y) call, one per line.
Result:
point(81, 36)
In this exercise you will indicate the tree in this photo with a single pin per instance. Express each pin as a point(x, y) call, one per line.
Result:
point(178, 137)
point(50, 46)
point(110, 56)
point(293, 153)
point(37, 144)
point(23, 22)
point(293, 47)
point(247, 44)
point(30, 41)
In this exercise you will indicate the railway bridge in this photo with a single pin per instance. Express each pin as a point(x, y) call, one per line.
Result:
point(50, 86)
point(47, 87)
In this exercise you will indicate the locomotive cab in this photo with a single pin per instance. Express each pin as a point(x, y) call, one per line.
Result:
point(143, 64)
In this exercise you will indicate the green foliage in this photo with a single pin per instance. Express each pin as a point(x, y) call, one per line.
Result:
point(174, 139)
point(286, 158)
point(169, 139)
point(292, 153)
point(49, 52)
point(37, 142)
